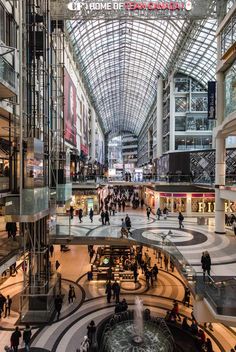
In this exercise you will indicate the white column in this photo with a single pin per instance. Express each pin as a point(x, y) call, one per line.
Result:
point(159, 117)
point(93, 132)
point(189, 204)
point(220, 181)
point(172, 116)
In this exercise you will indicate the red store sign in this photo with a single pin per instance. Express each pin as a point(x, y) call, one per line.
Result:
point(171, 6)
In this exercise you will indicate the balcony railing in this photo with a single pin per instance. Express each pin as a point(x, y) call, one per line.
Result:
point(33, 201)
point(8, 79)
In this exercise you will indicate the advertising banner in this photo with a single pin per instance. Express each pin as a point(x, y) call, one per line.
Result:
point(70, 110)
point(211, 100)
point(84, 144)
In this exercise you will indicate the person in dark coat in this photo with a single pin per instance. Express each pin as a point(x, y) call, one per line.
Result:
point(208, 344)
point(58, 305)
point(71, 212)
point(128, 223)
point(15, 339)
point(91, 215)
point(206, 263)
point(148, 210)
point(91, 331)
point(116, 291)
point(107, 218)
point(103, 217)
point(124, 305)
point(2, 302)
point(71, 294)
point(80, 215)
point(8, 229)
point(51, 249)
point(108, 291)
point(26, 337)
point(155, 271)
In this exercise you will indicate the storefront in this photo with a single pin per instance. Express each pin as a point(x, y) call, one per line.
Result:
point(86, 198)
point(186, 202)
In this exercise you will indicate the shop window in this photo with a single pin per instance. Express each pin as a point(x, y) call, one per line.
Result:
point(196, 87)
point(230, 90)
point(198, 103)
point(181, 104)
point(180, 143)
point(180, 123)
point(181, 85)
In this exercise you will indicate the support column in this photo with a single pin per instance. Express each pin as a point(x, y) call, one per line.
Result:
point(159, 117)
point(220, 181)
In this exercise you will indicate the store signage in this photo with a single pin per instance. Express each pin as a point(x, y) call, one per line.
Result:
point(211, 100)
point(165, 194)
point(179, 195)
point(131, 6)
point(209, 207)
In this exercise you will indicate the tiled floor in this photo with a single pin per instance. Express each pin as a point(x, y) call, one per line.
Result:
point(66, 334)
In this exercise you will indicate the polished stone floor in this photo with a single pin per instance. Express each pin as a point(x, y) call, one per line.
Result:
point(66, 334)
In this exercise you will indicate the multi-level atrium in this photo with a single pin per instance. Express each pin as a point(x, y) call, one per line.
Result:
point(117, 175)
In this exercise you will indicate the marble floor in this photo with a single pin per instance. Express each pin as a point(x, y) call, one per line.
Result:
point(66, 334)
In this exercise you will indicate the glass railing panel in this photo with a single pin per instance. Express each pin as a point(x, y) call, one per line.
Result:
point(64, 192)
point(4, 183)
point(7, 73)
point(33, 201)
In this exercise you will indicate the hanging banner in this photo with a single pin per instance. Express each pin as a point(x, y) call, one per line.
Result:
point(211, 100)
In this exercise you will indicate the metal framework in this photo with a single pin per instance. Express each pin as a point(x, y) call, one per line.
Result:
point(122, 60)
point(122, 54)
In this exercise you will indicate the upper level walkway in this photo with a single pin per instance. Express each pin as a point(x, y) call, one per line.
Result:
point(185, 247)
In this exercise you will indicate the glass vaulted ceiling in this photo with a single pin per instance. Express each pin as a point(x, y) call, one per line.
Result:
point(122, 60)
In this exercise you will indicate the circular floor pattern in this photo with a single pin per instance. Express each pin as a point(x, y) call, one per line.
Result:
point(184, 237)
point(130, 286)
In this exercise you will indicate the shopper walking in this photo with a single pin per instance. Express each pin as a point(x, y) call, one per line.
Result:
point(51, 249)
point(158, 214)
point(123, 205)
point(108, 291)
point(103, 217)
point(128, 223)
point(91, 215)
point(84, 347)
point(116, 291)
point(107, 218)
point(155, 272)
point(15, 339)
point(71, 294)
point(80, 215)
point(91, 332)
point(181, 219)
point(58, 305)
point(8, 304)
point(166, 262)
point(165, 213)
point(124, 231)
point(148, 210)
point(2, 302)
point(186, 299)
point(71, 212)
point(26, 337)
point(206, 263)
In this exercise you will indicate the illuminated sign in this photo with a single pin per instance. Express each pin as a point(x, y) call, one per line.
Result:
point(131, 6)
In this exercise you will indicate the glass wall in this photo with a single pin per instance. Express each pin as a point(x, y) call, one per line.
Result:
point(190, 142)
point(230, 90)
